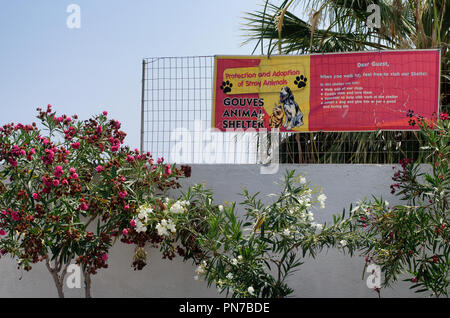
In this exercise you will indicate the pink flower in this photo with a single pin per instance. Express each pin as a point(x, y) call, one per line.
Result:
point(160, 160)
point(72, 170)
point(125, 232)
point(2, 233)
point(15, 216)
point(64, 182)
point(32, 151)
point(4, 212)
point(123, 194)
point(56, 183)
point(99, 168)
point(12, 162)
point(74, 176)
point(168, 170)
point(99, 130)
point(58, 172)
point(115, 148)
point(126, 207)
point(105, 257)
point(133, 223)
point(35, 196)
point(105, 113)
point(84, 206)
point(75, 145)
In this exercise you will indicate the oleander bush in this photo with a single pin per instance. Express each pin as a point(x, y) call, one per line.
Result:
point(412, 239)
point(67, 189)
point(253, 256)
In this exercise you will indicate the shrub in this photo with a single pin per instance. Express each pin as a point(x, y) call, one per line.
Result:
point(413, 238)
point(253, 257)
point(66, 191)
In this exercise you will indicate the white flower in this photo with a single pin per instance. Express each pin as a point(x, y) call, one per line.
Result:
point(240, 257)
point(162, 229)
point(144, 212)
point(177, 208)
point(317, 225)
point(251, 290)
point(386, 203)
point(142, 216)
point(140, 227)
point(221, 208)
point(286, 232)
point(165, 226)
point(234, 261)
point(200, 270)
point(310, 216)
point(343, 243)
point(321, 198)
point(302, 180)
point(230, 276)
point(171, 226)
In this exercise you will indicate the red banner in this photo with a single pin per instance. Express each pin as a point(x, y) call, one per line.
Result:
point(326, 92)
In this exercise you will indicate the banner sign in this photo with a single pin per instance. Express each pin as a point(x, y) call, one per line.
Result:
point(326, 92)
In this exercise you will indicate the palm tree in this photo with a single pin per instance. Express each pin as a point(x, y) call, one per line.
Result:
point(340, 26)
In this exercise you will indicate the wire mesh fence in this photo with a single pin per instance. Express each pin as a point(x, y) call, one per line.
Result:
point(176, 110)
point(176, 124)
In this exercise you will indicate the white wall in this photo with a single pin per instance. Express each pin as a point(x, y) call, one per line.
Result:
point(331, 274)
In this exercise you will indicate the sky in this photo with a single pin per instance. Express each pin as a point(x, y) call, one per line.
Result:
point(98, 66)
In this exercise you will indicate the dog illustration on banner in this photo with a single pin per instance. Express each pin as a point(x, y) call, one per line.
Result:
point(294, 116)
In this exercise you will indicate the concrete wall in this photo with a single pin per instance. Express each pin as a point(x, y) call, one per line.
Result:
point(331, 274)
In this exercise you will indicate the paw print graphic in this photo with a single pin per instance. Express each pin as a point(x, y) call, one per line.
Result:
point(226, 87)
point(300, 81)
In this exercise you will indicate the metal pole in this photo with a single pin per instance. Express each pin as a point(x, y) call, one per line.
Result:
point(142, 105)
